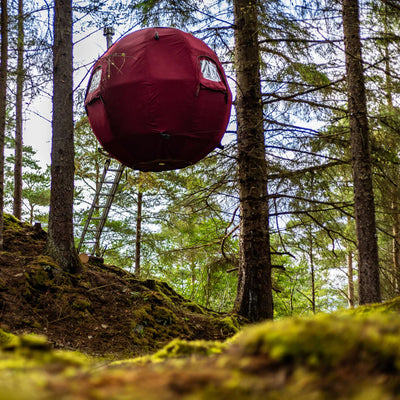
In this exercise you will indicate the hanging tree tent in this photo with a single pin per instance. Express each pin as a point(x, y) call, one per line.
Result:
point(158, 99)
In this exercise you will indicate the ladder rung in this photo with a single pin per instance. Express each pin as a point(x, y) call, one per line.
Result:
point(111, 176)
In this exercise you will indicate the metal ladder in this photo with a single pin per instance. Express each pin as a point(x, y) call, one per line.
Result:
point(102, 201)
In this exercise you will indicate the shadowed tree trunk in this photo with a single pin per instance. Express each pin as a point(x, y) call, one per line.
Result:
point(350, 296)
point(3, 106)
point(254, 294)
point(17, 204)
point(368, 269)
point(60, 240)
point(138, 232)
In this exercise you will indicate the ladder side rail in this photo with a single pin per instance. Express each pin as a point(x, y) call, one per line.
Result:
point(94, 203)
point(107, 206)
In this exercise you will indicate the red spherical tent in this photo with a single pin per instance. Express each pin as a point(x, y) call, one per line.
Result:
point(158, 99)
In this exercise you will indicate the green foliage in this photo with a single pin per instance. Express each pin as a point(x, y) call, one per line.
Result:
point(36, 186)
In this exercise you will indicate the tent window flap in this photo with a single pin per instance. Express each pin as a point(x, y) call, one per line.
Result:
point(95, 81)
point(209, 70)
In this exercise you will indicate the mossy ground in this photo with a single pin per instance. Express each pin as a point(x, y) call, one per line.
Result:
point(104, 311)
point(327, 357)
point(351, 355)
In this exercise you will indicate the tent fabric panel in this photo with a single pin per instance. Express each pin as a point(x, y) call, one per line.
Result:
point(207, 122)
point(169, 58)
point(99, 122)
point(159, 110)
point(129, 109)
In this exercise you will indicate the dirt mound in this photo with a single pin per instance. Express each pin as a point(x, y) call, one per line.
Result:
point(102, 311)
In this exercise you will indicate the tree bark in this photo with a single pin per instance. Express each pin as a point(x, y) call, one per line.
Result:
point(60, 240)
point(350, 281)
point(254, 293)
point(3, 106)
point(395, 206)
point(396, 241)
point(17, 204)
point(312, 267)
point(138, 232)
point(368, 276)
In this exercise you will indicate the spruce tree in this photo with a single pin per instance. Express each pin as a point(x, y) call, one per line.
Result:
point(60, 240)
point(364, 207)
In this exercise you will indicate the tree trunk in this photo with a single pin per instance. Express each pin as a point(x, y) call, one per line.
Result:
point(395, 206)
point(312, 266)
point(138, 233)
point(396, 241)
point(254, 294)
point(369, 285)
point(60, 240)
point(350, 281)
point(17, 204)
point(3, 106)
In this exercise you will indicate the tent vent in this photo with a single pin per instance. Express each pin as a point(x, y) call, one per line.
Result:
point(165, 135)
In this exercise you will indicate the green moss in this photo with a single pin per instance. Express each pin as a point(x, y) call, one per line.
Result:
point(153, 297)
point(182, 348)
point(193, 307)
point(142, 319)
point(8, 340)
point(34, 342)
point(31, 352)
point(143, 315)
point(81, 303)
point(40, 273)
point(12, 223)
point(38, 278)
point(163, 315)
point(46, 261)
point(386, 307)
point(231, 323)
point(327, 340)
point(178, 348)
point(72, 358)
point(342, 356)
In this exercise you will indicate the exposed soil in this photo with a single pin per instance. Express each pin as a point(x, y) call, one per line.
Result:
point(103, 311)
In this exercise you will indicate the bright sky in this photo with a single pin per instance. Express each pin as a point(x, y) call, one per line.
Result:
point(37, 126)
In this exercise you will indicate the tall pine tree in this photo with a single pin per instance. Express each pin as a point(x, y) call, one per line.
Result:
point(254, 295)
point(3, 106)
point(60, 240)
point(368, 269)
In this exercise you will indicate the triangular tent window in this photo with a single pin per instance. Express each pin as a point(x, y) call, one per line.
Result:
point(95, 81)
point(209, 70)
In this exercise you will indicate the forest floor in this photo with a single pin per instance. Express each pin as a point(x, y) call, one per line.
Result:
point(103, 311)
point(106, 335)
